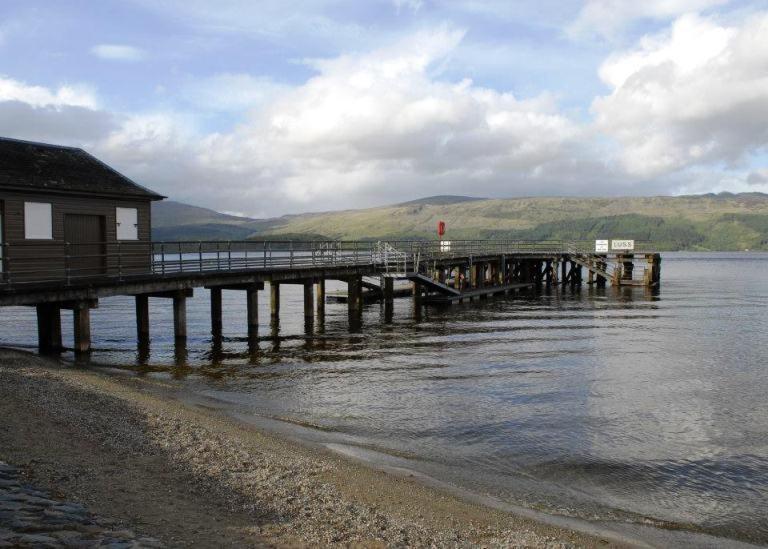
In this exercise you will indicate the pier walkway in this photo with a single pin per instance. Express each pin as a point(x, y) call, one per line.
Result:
point(439, 271)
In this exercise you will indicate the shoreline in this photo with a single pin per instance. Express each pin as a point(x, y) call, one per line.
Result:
point(186, 474)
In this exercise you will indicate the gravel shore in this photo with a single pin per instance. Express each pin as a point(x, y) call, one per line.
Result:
point(187, 476)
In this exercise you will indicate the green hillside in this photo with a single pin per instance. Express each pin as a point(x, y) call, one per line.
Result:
point(702, 222)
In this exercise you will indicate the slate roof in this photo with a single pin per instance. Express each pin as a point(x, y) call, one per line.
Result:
point(55, 168)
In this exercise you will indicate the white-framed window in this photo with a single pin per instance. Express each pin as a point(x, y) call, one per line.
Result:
point(38, 221)
point(127, 223)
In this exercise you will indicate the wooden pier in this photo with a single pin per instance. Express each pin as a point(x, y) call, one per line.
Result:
point(438, 272)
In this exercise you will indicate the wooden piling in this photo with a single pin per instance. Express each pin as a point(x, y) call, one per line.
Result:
point(355, 293)
point(49, 327)
point(274, 303)
point(180, 317)
point(252, 311)
point(417, 293)
point(628, 265)
point(320, 296)
point(142, 319)
point(216, 314)
point(82, 328)
point(309, 300)
point(388, 288)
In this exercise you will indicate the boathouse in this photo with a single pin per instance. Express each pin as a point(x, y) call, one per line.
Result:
point(65, 215)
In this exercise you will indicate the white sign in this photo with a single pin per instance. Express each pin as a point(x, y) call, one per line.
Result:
point(445, 245)
point(601, 246)
point(622, 244)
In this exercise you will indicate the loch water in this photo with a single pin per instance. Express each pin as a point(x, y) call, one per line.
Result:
point(620, 404)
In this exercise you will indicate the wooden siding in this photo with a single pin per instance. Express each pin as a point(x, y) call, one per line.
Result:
point(25, 257)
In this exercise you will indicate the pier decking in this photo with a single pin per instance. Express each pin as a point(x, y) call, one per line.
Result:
point(439, 272)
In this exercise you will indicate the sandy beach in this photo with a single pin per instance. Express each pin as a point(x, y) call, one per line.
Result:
point(186, 476)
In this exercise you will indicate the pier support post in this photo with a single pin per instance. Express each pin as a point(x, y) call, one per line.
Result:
point(49, 327)
point(563, 270)
point(309, 300)
point(82, 327)
point(653, 270)
point(355, 302)
point(274, 303)
point(142, 320)
point(216, 315)
point(388, 287)
point(503, 269)
point(252, 310)
point(180, 317)
point(602, 265)
point(416, 294)
point(320, 296)
point(628, 266)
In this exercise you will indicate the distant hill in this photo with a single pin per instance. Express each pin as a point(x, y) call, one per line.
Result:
point(699, 222)
point(440, 200)
point(168, 213)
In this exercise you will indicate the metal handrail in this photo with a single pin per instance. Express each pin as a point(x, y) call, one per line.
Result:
point(66, 262)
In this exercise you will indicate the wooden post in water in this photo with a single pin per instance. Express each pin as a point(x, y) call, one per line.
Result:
point(653, 270)
point(216, 314)
point(252, 310)
point(309, 300)
point(320, 291)
point(602, 265)
point(355, 302)
point(417, 294)
point(142, 319)
point(180, 317)
point(81, 312)
point(388, 288)
point(628, 266)
point(355, 294)
point(49, 327)
point(274, 307)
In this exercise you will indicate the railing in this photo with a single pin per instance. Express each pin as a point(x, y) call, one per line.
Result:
point(69, 263)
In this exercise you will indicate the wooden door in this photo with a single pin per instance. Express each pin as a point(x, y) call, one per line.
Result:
point(86, 239)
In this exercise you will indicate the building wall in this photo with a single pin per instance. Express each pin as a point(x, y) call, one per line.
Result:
point(33, 259)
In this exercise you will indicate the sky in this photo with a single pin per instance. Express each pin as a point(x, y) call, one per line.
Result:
point(264, 108)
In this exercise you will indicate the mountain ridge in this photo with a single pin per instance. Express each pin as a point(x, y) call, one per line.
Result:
point(723, 221)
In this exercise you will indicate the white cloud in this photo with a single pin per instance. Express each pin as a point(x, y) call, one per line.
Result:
point(367, 128)
point(413, 5)
point(694, 95)
point(232, 92)
point(382, 122)
point(118, 52)
point(607, 17)
point(38, 96)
